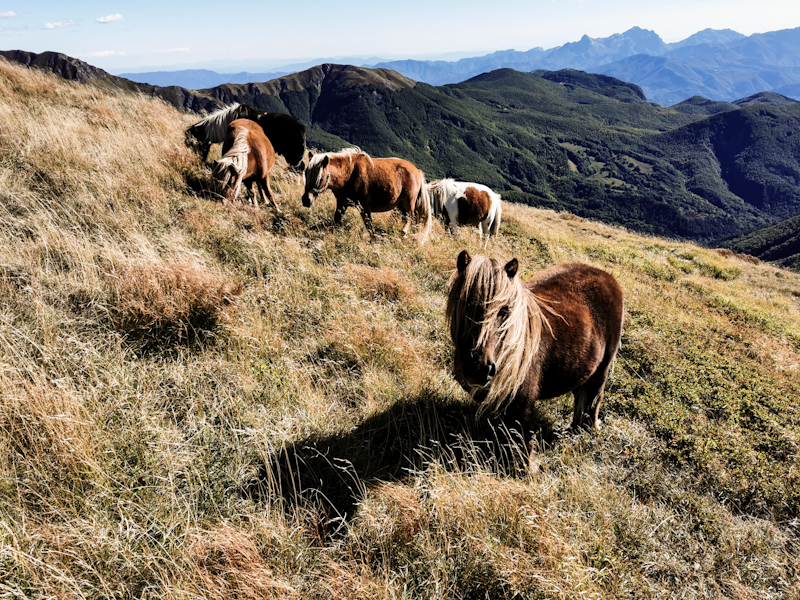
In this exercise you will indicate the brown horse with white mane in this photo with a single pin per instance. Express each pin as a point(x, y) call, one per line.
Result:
point(371, 185)
point(247, 157)
point(518, 342)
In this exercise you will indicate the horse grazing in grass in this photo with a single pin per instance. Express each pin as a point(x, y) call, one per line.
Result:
point(287, 135)
point(370, 184)
point(461, 203)
point(247, 158)
point(518, 342)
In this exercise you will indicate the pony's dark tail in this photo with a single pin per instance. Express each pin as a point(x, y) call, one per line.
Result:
point(231, 168)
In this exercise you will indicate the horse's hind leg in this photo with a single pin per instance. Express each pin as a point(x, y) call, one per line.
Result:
point(407, 226)
point(587, 401)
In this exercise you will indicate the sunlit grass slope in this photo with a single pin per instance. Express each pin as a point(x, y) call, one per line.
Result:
point(200, 401)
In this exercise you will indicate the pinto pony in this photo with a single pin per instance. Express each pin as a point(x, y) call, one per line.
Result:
point(461, 203)
point(287, 135)
point(247, 158)
point(371, 185)
point(518, 342)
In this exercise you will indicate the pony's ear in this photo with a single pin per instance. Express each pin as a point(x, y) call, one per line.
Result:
point(463, 260)
point(325, 161)
point(511, 268)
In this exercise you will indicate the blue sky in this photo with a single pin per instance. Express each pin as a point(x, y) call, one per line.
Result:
point(247, 35)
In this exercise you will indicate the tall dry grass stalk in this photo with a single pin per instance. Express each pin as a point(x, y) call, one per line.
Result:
point(202, 401)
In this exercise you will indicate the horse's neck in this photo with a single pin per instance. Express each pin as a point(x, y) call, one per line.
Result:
point(341, 169)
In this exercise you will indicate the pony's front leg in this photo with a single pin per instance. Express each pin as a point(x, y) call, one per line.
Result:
point(229, 197)
point(450, 224)
point(341, 206)
point(253, 190)
point(367, 216)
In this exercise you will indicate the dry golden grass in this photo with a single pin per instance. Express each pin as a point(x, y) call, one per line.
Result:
point(200, 401)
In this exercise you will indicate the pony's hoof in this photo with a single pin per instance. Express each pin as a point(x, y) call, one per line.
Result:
point(534, 464)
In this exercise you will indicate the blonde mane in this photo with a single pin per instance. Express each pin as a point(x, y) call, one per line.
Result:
point(234, 160)
point(439, 191)
point(315, 171)
point(475, 300)
point(216, 124)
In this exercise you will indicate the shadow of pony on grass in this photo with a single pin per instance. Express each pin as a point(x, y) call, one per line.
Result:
point(321, 479)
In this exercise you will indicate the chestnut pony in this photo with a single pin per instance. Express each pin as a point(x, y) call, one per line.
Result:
point(287, 135)
point(247, 158)
point(518, 342)
point(371, 185)
point(461, 203)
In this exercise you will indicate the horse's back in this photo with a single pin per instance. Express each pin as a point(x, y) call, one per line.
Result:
point(576, 279)
point(583, 298)
point(584, 311)
point(287, 134)
point(390, 175)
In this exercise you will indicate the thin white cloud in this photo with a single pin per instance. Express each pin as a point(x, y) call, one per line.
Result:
point(172, 50)
point(8, 15)
point(110, 18)
point(103, 53)
point(59, 25)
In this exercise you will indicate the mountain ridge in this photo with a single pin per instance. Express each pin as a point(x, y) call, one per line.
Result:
point(723, 65)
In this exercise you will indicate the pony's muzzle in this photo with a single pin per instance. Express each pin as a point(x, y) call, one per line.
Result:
point(307, 200)
point(481, 371)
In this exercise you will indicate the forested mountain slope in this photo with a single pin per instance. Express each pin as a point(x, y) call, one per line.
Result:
point(566, 140)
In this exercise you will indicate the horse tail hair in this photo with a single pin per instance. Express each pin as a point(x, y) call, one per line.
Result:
point(494, 229)
point(233, 165)
point(435, 193)
point(425, 208)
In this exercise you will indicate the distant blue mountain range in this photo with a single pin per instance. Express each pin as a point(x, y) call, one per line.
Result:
point(200, 79)
point(721, 65)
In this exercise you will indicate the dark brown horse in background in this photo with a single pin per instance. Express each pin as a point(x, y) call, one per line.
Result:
point(247, 158)
point(287, 135)
point(370, 184)
point(518, 342)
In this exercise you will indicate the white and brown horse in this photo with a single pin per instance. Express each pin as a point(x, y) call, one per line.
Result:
point(287, 135)
point(247, 158)
point(518, 342)
point(371, 185)
point(471, 204)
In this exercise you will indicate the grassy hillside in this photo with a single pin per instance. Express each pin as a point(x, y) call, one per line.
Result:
point(203, 402)
point(779, 243)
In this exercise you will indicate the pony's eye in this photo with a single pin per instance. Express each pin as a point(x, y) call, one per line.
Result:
point(503, 312)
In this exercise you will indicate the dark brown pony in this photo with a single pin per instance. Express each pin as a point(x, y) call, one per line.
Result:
point(518, 342)
point(287, 135)
point(371, 185)
point(247, 158)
